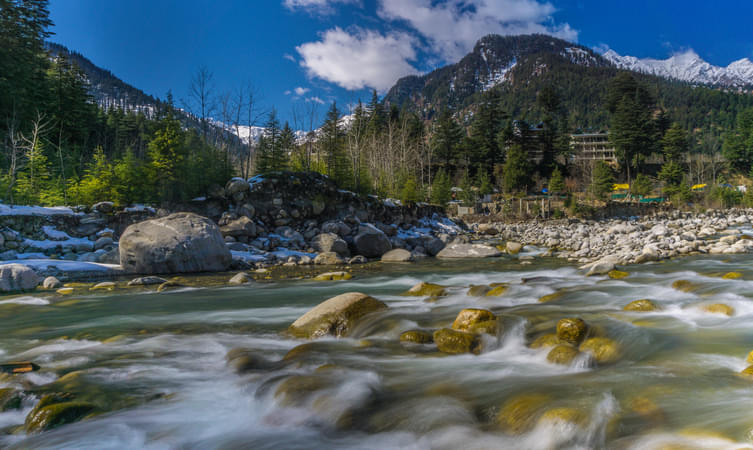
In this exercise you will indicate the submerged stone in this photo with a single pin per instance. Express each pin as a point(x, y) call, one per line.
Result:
point(617, 274)
point(336, 316)
point(732, 275)
point(478, 290)
point(685, 286)
point(456, 342)
point(50, 416)
point(572, 330)
point(497, 290)
point(545, 340)
point(562, 354)
point(603, 350)
point(568, 415)
point(519, 413)
point(719, 308)
point(65, 291)
point(10, 399)
point(417, 336)
point(426, 290)
point(641, 305)
point(551, 297)
point(104, 286)
point(333, 276)
point(294, 390)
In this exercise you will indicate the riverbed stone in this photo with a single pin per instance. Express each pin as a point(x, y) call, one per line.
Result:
point(545, 340)
point(456, 342)
point(497, 289)
point(519, 414)
point(563, 414)
point(51, 283)
point(328, 259)
point(423, 289)
point(732, 275)
point(146, 281)
point(562, 354)
point(17, 277)
point(478, 290)
point(603, 350)
point(178, 243)
point(56, 414)
point(240, 278)
point(333, 276)
point(685, 286)
point(572, 330)
point(417, 337)
point(460, 250)
point(10, 398)
point(469, 318)
point(617, 274)
point(103, 286)
point(513, 248)
point(371, 242)
point(336, 316)
point(641, 305)
point(330, 242)
point(397, 255)
point(719, 308)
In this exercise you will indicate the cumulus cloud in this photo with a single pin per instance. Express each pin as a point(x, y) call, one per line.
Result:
point(301, 91)
point(452, 27)
point(359, 59)
point(319, 6)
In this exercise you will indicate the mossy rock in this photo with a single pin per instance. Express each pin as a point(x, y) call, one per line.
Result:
point(56, 414)
point(551, 297)
point(518, 414)
point(617, 274)
point(417, 337)
point(562, 354)
point(456, 342)
point(478, 290)
point(545, 340)
point(747, 372)
point(168, 285)
point(336, 316)
point(749, 359)
point(603, 350)
point(104, 286)
point(294, 389)
point(564, 414)
point(65, 291)
point(486, 327)
point(497, 290)
point(426, 290)
point(732, 276)
point(333, 276)
point(647, 409)
point(244, 360)
point(300, 350)
point(572, 330)
point(719, 308)
point(470, 317)
point(685, 286)
point(10, 399)
point(643, 305)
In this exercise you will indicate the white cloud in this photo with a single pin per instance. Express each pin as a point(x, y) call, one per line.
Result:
point(316, 100)
point(453, 27)
point(318, 6)
point(289, 57)
point(301, 91)
point(360, 59)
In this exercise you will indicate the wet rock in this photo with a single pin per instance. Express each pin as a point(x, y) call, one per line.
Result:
point(358, 259)
point(397, 255)
point(417, 337)
point(240, 227)
point(371, 242)
point(51, 283)
point(456, 342)
point(479, 290)
point(426, 289)
point(103, 286)
point(497, 290)
point(562, 354)
point(328, 259)
point(513, 248)
point(551, 297)
point(732, 276)
point(685, 286)
point(460, 250)
point(519, 414)
point(168, 285)
point(336, 316)
point(617, 274)
point(54, 415)
point(641, 305)
point(146, 281)
point(330, 242)
point(243, 360)
point(10, 399)
point(566, 415)
point(104, 207)
point(178, 243)
point(17, 277)
point(65, 291)
point(545, 340)
point(602, 349)
point(571, 330)
point(601, 267)
point(719, 308)
point(333, 276)
point(470, 318)
point(294, 389)
point(240, 278)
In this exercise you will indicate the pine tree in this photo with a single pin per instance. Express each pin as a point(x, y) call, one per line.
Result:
point(331, 145)
point(441, 188)
point(446, 139)
point(167, 155)
point(603, 180)
point(556, 182)
point(410, 194)
point(674, 143)
point(516, 176)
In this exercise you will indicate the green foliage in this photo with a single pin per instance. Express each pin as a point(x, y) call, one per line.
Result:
point(516, 170)
point(410, 194)
point(675, 143)
point(671, 174)
point(632, 127)
point(446, 139)
point(726, 196)
point(738, 144)
point(441, 187)
point(603, 180)
point(556, 182)
point(642, 185)
point(484, 183)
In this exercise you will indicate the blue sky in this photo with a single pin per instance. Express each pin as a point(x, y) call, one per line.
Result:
point(300, 54)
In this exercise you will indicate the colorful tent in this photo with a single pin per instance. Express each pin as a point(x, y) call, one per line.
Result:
point(698, 187)
point(620, 187)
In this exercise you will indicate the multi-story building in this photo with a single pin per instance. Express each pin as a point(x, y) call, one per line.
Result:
point(592, 147)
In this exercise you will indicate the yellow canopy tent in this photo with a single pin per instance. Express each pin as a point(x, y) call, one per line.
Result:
point(621, 187)
point(698, 187)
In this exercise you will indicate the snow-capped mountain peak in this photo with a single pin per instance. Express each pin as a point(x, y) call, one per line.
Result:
point(688, 66)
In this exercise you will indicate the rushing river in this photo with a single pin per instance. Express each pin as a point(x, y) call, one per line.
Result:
point(155, 363)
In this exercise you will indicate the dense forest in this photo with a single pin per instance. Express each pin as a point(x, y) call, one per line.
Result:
point(62, 146)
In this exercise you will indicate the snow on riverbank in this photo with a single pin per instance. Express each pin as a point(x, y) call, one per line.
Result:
point(6, 210)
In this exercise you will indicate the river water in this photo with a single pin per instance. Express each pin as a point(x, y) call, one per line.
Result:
point(155, 363)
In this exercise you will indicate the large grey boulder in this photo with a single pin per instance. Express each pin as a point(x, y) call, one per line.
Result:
point(178, 243)
point(17, 277)
point(460, 250)
point(336, 316)
point(330, 242)
point(371, 242)
point(433, 245)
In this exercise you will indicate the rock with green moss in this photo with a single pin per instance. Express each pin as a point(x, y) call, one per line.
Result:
point(426, 290)
point(617, 274)
point(497, 290)
point(562, 354)
point(603, 349)
point(56, 414)
point(747, 372)
point(685, 286)
point(485, 327)
point(244, 360)
point(519, 414)
point(732, 275)
point(643, 305)
point(719, 308)
point(564, 414)
point(470, 317)
point(478, 290)
point(551, 297)
point(294, 389)
point(10, 399)
point(333, 276)
point(456, 342)
point(572, 330)
point(417, 337)
point(336, 316)
point(545, 340)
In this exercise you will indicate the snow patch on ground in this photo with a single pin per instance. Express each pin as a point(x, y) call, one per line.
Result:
point(63, 265)
point(55, 234)
point(6, 210)
point(140, 208)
